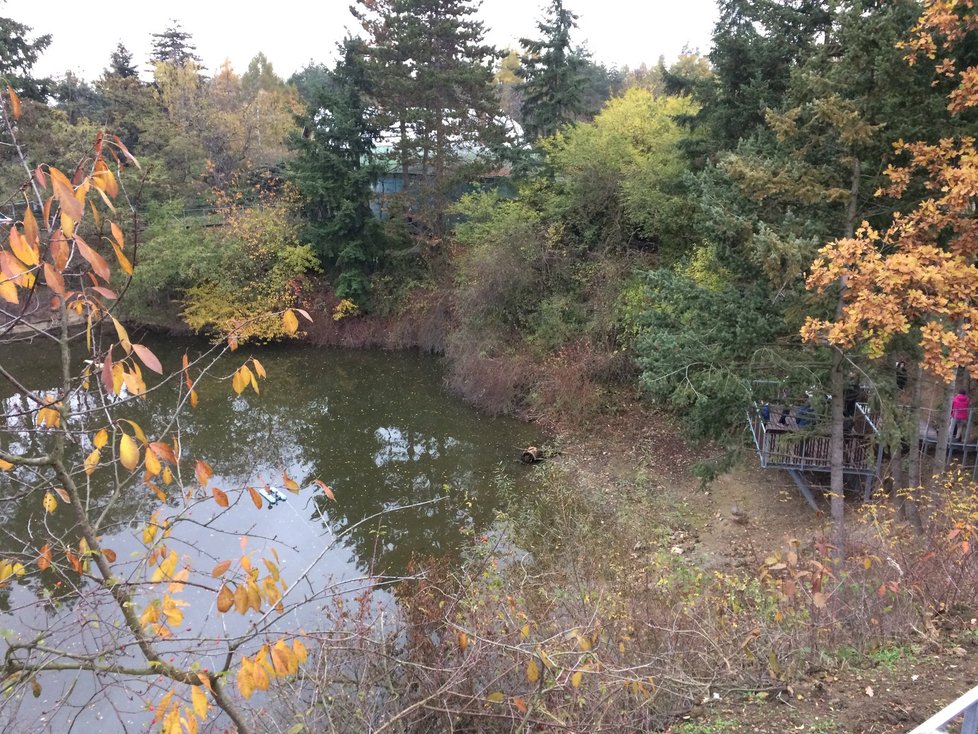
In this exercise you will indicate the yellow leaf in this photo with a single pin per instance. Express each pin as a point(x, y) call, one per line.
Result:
point(153, 465)
point(533, 671)
point(576, 679)
point(246, 683)
point(117, 234)
point(49, 502)
point(91, 461)
point(259, 369)
point(225, 599)
point(167, 476)
point(290, 324)
point(300, 650)
point(238, 382)
point(199, 699)
point(101, 438)
point(241, 599)
point(280, 659)
point(128, 452)
point(496, 697)
point(525, 631)
point(5, 465)
point(123, 335)
point(8, 292)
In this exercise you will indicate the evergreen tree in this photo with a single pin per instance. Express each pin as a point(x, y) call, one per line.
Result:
point(334, 171)
point(756, 45)
point(553, 75)
point(433, 83)
point(121, 64)
point(173, 46)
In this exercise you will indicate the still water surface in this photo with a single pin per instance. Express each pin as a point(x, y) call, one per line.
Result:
point(374, 426)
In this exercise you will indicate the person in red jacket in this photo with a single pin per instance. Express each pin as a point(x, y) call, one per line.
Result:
point(959, 414)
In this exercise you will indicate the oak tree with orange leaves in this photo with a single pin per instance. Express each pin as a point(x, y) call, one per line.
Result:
point(918, 275)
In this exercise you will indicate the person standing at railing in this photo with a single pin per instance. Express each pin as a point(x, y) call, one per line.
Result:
point(959, 414)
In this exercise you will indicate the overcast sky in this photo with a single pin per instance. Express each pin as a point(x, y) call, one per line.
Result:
point(293, 32)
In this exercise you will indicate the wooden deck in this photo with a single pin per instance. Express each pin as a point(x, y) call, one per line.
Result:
point(785, 445)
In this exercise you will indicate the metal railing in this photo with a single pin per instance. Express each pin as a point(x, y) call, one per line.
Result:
point(966, 705)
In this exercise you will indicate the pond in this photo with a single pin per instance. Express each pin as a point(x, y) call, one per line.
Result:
point(413, 472)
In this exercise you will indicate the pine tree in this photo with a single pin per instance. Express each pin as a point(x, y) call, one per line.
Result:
point(121, 64)
point(334, 172)
point(553, 75)
point(433, 83)
point(173, 46)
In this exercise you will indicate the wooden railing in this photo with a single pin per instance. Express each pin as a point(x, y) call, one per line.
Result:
point(788, 448)
point(966, 706)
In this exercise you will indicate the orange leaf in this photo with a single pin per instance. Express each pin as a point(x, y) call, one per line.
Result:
point(60, 491)
point(25, 252)
point(65, 194)
point(164, 451)
point(203, 472)
point(220, 569)
point(14, 102)
point(44, 560)
point(255, 497)
point(31, 233)
point(94, 259)
point(58, 247)
point(225, 599)
point(109, 555)
point(290, 484)
point(326, 490)
point(219, 497)
point(54, 280)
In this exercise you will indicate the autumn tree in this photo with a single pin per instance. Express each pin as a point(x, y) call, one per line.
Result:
point(78, 449)
point(916, 274)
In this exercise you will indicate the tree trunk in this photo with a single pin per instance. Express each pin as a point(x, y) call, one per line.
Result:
point(836, 452)
point(838, 386)
point(912, 480)
point(944, 433)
